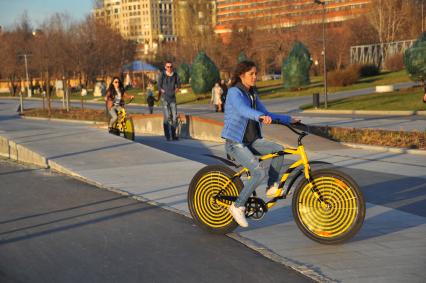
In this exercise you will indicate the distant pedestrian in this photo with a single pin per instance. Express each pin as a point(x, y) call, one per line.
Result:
point(150, 99)
point(424, 91)
point(216, 97)
point(168, 86)
point(224, 88)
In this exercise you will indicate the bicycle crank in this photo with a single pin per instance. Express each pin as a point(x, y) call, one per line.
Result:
point(255, 208)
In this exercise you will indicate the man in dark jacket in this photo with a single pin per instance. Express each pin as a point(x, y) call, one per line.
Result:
point(168, 86)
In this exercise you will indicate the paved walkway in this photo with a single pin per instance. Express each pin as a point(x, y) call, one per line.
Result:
point(391, 246)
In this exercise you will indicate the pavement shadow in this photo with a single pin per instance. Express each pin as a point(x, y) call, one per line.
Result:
point(60, 210)
point(187, 148)
point(374, 156)
point(397, 205)
point(47, 227)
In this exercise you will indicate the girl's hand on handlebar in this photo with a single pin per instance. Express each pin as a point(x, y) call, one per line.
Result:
point(265, 119)
point(295, 120)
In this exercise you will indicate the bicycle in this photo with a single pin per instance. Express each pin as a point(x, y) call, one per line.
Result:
point(327, 204)
point(124, 124)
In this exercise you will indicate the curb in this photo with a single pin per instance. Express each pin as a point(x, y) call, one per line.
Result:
point(366, 112)
point(17, 152)
point(66, 120)
point(386, 148)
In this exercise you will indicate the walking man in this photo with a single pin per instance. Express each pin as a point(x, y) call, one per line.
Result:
point(168, 86)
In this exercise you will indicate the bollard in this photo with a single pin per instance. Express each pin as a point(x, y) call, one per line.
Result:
point(315, 100)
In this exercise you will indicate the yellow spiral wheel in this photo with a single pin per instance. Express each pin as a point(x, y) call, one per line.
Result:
point(207, 211)
point(129, 129)
point(334, 212)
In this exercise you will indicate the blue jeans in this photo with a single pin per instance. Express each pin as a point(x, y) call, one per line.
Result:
point(169, 118)
point(113, 112)
point(245, 155)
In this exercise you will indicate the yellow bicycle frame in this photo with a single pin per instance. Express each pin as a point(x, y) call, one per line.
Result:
point(300, 150)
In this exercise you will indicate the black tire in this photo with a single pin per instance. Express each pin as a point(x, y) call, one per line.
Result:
point(129, 129)
point(205, 211)
point(114, 130)
point(342, 213)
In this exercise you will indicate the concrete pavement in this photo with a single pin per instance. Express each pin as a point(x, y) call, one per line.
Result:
point(390, 247)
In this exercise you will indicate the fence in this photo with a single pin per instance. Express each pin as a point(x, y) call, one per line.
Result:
point(377, 53)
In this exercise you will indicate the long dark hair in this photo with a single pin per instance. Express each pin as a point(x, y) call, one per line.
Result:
point(242, 67)
point(111, 88)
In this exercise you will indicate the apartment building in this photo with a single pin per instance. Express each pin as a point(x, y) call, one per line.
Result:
point(148, 22)
point(195, 16)
point(271, 14)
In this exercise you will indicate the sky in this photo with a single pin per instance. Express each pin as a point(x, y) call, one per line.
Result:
point(39, 10)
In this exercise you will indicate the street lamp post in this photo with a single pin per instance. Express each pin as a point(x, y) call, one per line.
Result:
point(26, 74)
point(323, 50)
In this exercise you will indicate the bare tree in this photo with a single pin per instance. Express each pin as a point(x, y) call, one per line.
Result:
point(388, 17)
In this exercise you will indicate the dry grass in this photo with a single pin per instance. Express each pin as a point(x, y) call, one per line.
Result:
point(73, 114)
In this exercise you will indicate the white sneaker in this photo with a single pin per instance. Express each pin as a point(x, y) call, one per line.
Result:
point(273, 191)
point(239, 215)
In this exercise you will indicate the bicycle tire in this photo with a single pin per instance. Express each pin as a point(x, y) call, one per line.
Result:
point(115, 130)
point(129, 129)
point(333, 224)
point(206, 212)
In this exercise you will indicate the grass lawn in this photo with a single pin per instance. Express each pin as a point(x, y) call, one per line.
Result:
point(267, 89)
point(405, 99)
point(275, 89)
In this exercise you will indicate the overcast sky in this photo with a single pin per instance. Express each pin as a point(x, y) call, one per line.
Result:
point(39, 10)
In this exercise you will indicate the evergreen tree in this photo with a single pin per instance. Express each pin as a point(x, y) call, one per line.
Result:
point(415, 59)
point(183, 72)
point(242, 57)
point(295, 68)
point(204, 74)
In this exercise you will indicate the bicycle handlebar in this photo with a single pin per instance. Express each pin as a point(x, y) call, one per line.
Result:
point(301, 134)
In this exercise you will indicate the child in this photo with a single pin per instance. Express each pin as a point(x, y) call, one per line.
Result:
point(150, 99)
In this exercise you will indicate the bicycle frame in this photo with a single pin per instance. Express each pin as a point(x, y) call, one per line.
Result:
point(121, 118)
point(303, 161)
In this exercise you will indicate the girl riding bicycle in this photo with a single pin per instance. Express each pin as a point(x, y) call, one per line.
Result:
point(115, 99)
point(244, 112)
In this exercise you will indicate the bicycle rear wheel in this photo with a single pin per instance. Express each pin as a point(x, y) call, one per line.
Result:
point(208, 212)
point(129, 129)
point(341, 214)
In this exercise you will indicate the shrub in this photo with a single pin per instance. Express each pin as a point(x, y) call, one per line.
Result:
point(394, 63)
point(295, 68)
point(204, 74)
point(344, 77)
point(183, 72)
point(368, 70)
point(414, 59)
point(241, 57)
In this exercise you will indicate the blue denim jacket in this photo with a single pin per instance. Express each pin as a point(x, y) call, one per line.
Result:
point(238, 111)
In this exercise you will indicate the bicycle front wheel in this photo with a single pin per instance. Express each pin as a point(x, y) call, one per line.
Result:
point(209, 197)
point(340, 213)
point(129, 129)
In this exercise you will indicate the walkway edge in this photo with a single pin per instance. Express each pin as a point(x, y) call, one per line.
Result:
point(12, 150)
point(17, 152)
point(300, 268)
point(366, 112)
point(385, 148)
